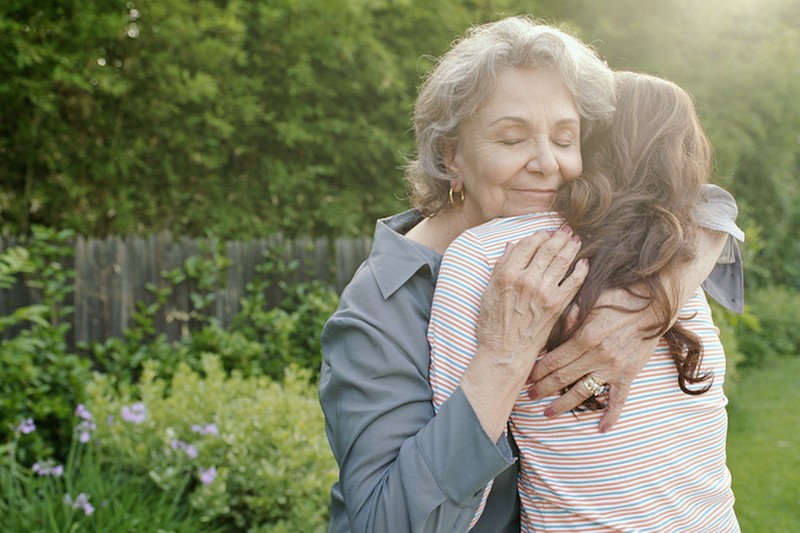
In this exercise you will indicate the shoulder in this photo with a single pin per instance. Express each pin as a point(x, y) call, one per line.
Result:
point(387, 284)
point(515, 227)
point(386, 306)
point(718, 211)
point(489, 239)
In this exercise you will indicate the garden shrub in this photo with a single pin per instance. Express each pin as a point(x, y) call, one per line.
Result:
point(265, 467)
point(776, 331)
point(262, 339)
point(253, 448)
point(41, 379)
point(43, 382)
point(726, 322)
point(290, 332)
point(124, 357)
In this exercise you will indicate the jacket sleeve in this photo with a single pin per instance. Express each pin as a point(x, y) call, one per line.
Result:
point(400, 468)
point(726, 282)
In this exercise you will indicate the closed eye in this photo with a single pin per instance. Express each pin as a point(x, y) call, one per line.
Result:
point(564, 143)
point(510, 142)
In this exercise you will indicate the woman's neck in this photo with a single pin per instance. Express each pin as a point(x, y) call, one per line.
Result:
point(437, 232)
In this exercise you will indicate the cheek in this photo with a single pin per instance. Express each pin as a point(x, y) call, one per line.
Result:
point(572, 168)
point(502, 168)
point(487, 170)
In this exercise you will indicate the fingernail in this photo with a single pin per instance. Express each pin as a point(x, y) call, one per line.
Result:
point(532, 394)
point(604, 428)
point(576, 238)
point(566, 229)
point(549, 412)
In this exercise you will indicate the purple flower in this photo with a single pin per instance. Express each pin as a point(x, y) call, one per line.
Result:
point(80, 502)
point(189, 449)
point(27, 426)
point(86, 427)
point(207, 475)
point(207, 429)
point(82, 412)
point(48, 468)
point(135, 413)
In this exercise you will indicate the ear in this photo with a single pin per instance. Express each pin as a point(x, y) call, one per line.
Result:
point(450, 163)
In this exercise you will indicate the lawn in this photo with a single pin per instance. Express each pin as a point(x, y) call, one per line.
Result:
point(764, 447)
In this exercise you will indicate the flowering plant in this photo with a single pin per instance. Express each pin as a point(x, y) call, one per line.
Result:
point(84, 492)
point(253, 448)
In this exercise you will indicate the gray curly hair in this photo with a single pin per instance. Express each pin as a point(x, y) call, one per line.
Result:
point(464, 77)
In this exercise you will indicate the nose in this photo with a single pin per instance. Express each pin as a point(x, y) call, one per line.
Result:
point(542, 159)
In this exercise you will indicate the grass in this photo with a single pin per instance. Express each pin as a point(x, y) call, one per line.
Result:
point(764, 447)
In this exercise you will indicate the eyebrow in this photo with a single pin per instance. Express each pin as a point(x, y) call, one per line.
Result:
point(520, 120)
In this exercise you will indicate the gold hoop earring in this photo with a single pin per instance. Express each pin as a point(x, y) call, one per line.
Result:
point(453, 199)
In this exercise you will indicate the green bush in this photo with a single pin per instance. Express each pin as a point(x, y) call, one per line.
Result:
point(44, 379)
point(254, 449)
point(43, 382)
point(263, 339)
point(290, 332)
point(776, 331)
point(266, 466)
point(41, 379)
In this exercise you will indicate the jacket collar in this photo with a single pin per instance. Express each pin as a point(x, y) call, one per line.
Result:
point(395, 258)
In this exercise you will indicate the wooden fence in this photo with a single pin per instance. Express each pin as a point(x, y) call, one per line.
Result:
point(112, 275)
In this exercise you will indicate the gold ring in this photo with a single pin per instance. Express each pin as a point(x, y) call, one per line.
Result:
point(593, 385)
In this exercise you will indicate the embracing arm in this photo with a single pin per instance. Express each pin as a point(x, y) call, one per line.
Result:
point(400, 469)
point(611, 345)
point(518, 311)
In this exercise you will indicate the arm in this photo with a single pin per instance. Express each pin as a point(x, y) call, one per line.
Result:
point(611, 347)
point(464, 275)
point(518, 311)
point(726, 282)
point(398, 468)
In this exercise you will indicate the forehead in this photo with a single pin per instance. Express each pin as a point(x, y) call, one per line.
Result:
point(535, 96)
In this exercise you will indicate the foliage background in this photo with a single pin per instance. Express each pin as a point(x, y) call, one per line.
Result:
point(248, 118)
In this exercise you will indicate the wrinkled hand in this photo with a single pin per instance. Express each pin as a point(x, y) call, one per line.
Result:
point(610, 346)
point(526, 295)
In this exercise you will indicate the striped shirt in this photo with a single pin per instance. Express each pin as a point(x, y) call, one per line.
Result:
point(661, 469)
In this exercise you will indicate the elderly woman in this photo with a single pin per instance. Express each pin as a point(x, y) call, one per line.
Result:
point(401, 468)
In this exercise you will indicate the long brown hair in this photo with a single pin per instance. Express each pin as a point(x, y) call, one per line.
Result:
point(643, 177)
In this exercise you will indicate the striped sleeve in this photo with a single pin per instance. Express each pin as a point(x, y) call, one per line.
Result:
point(463, 277)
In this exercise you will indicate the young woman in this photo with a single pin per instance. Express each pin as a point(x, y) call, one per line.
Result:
point(634, 208)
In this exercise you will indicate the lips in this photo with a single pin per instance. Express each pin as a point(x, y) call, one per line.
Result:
point(536, 193)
